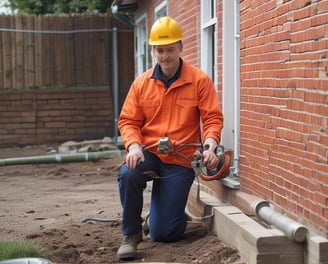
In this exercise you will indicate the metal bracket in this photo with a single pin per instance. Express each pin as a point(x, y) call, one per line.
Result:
point(232, 181)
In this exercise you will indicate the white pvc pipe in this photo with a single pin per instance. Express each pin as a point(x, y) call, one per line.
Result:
point(26, 261)
point(293, 230)
point(61, 158)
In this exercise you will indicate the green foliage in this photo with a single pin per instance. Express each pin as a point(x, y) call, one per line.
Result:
point(41, 7)
point(20, 249)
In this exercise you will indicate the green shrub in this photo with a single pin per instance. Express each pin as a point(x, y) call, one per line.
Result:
point(20, 249)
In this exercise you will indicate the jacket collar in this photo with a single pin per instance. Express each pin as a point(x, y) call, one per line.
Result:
point(157, 74)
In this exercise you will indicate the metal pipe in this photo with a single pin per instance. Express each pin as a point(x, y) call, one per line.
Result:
point(115, 80)
point(294, 231)
point(61, 158)
point(124, 19)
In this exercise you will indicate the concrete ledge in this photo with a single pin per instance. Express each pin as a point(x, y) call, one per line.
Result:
point(317, 251)
point(256, 243)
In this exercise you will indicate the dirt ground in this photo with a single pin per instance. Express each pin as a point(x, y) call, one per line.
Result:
point(49, 203)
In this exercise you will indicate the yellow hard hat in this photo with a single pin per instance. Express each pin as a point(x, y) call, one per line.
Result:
point(165, 31)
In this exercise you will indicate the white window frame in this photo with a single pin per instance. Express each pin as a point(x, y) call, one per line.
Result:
point(141, 45)
point(209, 39)
point(160, 10)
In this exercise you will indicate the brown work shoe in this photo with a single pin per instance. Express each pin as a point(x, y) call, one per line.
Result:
point(128, 248)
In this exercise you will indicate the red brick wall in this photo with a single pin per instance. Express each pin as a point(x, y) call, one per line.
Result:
point(284, 111)
point(42, 117)
point(219, 16)
point(187, 13)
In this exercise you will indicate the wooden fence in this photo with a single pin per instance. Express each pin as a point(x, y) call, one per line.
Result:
point(62, 51)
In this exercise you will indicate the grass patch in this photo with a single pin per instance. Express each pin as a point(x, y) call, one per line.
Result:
point(20, 249)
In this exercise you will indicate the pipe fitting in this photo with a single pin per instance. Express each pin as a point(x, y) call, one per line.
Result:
point(257, 205)
point(293, 230)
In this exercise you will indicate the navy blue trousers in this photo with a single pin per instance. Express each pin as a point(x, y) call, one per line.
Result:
point(167, 219)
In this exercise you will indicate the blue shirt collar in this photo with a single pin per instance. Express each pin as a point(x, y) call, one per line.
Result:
point(157, 74)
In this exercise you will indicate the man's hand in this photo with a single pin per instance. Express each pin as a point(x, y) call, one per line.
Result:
point(134, 156)
point(209, 155)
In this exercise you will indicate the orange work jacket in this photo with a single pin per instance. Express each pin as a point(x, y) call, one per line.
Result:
point(151, 111)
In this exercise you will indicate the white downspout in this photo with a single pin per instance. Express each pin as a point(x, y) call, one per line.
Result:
point(236, 88)
point(231, 97)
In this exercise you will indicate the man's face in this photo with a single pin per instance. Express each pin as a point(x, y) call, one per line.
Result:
point(168, 56)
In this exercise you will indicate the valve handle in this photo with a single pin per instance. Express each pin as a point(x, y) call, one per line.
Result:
point(224, 165)
point(222, 172)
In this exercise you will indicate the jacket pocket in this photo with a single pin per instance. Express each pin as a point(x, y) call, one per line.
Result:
point(148, 103)
point(187, 111)
point(149, 106)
